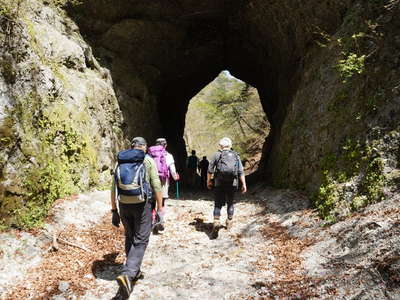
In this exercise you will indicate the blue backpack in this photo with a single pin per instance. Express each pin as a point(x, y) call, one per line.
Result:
point(130, 174)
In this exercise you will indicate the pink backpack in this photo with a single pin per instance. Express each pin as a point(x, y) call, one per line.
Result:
point(158, 153)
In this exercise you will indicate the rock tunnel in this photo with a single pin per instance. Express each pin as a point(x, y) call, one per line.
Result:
point(78, 78)
point(161, 53)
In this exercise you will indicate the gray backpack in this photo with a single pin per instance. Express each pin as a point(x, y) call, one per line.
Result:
point(227, 165)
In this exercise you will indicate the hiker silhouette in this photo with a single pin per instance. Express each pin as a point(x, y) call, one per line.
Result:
point(203, 168)
point(192, 165)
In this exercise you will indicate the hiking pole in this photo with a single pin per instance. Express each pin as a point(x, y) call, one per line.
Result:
point(177, 189)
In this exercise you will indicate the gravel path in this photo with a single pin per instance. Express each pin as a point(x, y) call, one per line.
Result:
point(277, 249)
point(186, 262)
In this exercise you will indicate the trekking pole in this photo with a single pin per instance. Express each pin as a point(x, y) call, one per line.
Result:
point(177, 189)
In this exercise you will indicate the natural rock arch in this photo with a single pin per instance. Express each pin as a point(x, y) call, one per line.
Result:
point(166, 51)
point(326, 72)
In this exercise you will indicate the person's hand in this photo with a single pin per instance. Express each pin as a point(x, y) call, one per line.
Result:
point(161, 211)
point(244, 189)
point(161, 214)
point(209, 184)
point(177, 177)
point(115, 218)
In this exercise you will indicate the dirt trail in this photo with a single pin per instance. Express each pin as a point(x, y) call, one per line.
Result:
point(273, 251)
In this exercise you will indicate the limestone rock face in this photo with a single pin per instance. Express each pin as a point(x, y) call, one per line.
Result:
point(326, 71)
point(60, 121)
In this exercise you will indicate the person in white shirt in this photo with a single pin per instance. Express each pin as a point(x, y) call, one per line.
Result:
point(172, 171)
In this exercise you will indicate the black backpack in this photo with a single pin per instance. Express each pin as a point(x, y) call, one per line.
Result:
point(227, 166)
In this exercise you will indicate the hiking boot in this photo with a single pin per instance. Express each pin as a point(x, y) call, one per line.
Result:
point(138, 276)
point(216, 224)
point(215, 228)
point(228, 224)
point(125, 286)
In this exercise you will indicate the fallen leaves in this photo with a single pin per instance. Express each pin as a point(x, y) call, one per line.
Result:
point(286, 265)
point(74, 263)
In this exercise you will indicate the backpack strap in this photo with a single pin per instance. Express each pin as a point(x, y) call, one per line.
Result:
point(116, 183)
point(217, 161)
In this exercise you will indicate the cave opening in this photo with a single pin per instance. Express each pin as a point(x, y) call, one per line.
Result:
point(160, 56)
point(230, 107)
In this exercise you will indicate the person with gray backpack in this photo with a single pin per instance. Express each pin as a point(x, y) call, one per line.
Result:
point(224, 173)
point(135, 186)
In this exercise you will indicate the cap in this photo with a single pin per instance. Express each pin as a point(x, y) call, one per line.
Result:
point(225, 142)
point(139, 141)
point(161, 141)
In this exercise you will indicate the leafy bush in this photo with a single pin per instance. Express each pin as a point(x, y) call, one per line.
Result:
point(350, 65)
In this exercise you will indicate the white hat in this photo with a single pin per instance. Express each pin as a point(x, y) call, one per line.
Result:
point(225, 142)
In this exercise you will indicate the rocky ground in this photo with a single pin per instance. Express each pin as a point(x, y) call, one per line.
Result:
point(278, 248)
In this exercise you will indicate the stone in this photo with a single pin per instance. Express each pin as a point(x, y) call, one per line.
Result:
point(63, 286)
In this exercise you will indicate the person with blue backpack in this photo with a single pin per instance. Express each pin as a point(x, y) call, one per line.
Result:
point(224, 173)
point(135, 186)
point(166, 168)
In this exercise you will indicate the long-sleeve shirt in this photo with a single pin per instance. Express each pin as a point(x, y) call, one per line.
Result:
point(170, 164)
point(151, 177)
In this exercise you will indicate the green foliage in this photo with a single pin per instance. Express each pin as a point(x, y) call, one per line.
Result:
point(350, 65)
point(373, 181)
point(226, 107)
point(356, 165)
point(327, 197)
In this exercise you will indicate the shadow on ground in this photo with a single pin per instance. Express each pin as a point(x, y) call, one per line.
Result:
point(108, 268)
point(207, 228)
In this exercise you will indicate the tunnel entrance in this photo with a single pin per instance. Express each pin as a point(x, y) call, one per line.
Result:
point(159, 55)
point(230, 107)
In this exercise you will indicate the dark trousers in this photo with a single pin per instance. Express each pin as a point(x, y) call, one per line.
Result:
point(137, 223)
point(224, 194)
point(203, 179)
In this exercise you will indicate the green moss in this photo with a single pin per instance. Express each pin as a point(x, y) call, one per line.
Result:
point(356, 165)
point(54, 135)
point(5, 141)
point(8, 71)
point(63, 3)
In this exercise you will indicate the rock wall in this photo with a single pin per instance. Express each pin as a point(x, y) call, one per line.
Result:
point(60, 121)
point(326, 71)
point(340, 136)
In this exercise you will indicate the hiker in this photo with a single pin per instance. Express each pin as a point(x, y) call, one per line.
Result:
point(166, 167)
point(192, 163)
point(226, 169)
point(135, 183)
point(203, 168)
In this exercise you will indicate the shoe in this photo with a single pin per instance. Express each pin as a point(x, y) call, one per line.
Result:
point(161, 227)
point(125, 286)
point(138, 276)
point(228, 224)
point(216, 226)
